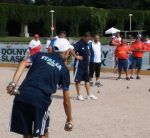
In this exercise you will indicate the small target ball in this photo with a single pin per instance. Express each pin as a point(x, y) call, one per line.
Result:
point(98, 91)
point(128, 87)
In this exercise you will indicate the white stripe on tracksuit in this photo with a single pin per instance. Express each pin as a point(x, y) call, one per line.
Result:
point(10, 117)
point(44, 122)
point(76, 66)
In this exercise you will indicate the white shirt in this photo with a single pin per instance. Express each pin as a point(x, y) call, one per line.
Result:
point(48, 43)
point(34, 43)
point(147, 42)
point(97, 51)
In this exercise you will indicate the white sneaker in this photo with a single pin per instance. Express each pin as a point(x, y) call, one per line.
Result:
point(91, 97)
point(80, 98)
point(88, 97)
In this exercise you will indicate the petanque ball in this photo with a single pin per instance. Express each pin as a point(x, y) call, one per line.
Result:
point(128, 87)
point(68, 126)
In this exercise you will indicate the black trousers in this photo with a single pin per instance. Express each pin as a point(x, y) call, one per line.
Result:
point(95, 67)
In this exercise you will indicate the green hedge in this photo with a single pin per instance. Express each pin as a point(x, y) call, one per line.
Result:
point(74, 19)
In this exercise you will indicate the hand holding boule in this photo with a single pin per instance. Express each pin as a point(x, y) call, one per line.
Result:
point(68, 126)
point(12, 89)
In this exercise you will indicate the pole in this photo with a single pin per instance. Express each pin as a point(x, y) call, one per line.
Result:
point(52, 25)
point(130, 15)
point(130, 23)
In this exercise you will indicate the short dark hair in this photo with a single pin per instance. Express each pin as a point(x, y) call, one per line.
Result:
point(87, 34)
point(62, 32)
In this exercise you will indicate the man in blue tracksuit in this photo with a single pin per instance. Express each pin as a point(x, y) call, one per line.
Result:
point(30, 115)
point(82, 67)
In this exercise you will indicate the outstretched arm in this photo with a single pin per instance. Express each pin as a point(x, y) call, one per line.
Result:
point(17, 75)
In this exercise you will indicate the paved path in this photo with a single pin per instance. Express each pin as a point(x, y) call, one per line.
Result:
point(118, 113)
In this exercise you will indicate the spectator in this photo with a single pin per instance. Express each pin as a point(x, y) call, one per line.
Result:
point(115, 41)
point(95, 60)
point(121, 53)
point(81, 67)
point(62, 34)
point(35, 45)
point(48, 41)
point(147, 44)
point(137, 48)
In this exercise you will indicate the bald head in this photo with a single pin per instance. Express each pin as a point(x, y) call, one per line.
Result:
point(96, 38)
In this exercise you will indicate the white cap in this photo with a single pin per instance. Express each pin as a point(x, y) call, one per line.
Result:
point(62, 45)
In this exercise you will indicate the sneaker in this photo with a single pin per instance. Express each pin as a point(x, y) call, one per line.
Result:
point(88, 97)
point(131, 77)
point(138, 78)
point(91, 84)
point(91, 97)
point(80, 98)
point(127, 78)
point(118, 78)
point(98, 84)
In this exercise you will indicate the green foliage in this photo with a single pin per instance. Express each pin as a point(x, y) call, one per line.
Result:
point(74, 20)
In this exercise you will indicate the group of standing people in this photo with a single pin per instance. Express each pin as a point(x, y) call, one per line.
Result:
point(82, 70)
point(30, 112)
point(125, 52)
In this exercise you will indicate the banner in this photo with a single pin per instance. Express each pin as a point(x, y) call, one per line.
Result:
point(14, 53)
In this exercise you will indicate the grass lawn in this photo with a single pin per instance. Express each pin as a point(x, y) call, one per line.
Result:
point(8, 39)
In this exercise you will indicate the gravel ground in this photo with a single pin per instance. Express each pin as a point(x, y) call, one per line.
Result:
point(121, 111)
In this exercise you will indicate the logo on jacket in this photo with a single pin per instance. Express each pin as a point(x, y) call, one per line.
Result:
point(51, 62)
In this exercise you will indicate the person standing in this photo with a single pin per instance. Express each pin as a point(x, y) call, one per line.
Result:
point(95, 60)
point(115, 41)
point(34, 45)
point(122, 51)
point(137, 48)
point(147, 44)
point(62, 34)
point(48, 41)
point(30, 114)
point(81, 67)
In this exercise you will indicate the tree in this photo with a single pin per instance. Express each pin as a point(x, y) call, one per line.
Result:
point(17, 1)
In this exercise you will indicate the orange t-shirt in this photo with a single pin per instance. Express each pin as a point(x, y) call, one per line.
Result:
point(122, 51)
point(137, 45)
point(147, 45)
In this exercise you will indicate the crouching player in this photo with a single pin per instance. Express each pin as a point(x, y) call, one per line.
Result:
point(30, 114)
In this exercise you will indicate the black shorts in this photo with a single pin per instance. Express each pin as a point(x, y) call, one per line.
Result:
point(95, 67)
point(27, 119)
point(123, 64)
point(81, 74)
point(136, 63)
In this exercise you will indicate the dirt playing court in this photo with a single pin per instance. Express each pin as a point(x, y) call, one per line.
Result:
point(122, 110)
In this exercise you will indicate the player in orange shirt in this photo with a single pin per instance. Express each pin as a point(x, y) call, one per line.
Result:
point(121, 53)
point(137, 48)
point(147, 44)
